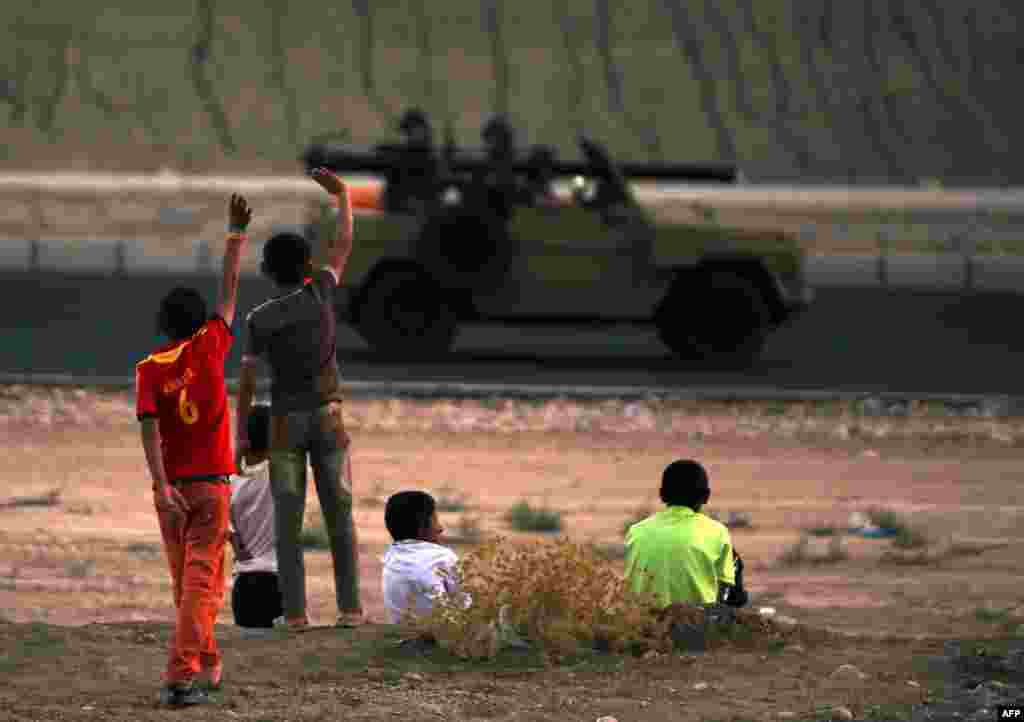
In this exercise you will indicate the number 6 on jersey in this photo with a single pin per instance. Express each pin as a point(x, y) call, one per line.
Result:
point(187, 409)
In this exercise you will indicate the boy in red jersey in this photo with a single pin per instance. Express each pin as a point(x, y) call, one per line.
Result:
point(182, 404)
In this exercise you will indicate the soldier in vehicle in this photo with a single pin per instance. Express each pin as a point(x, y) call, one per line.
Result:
point(411, 183)
point(499, 139)
point(500, 188)
point(415, 126)
point(540, 176)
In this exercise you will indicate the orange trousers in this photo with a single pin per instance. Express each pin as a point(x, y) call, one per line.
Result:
point(195, 545)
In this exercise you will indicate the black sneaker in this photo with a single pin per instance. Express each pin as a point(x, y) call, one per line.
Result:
point(183, 695)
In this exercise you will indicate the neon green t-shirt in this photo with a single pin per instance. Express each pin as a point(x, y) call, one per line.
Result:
point(679, 556)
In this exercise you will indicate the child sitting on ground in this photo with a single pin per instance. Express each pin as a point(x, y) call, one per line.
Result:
point(255, 597)
point(416, 565)
point(680, 555)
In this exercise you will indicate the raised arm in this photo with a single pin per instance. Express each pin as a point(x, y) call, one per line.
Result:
point(240, 214)
point(337, 248)
point(246, 392)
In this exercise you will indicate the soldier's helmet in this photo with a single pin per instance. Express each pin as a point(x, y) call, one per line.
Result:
point(498, 135)
point(415, 125)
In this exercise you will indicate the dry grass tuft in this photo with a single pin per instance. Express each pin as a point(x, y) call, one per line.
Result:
point(450, 499)
point(524, 517)
point(51, 498)
point(561, 596)
point(935, 553)
point(810, 550)
point(558, 595)
point(314, 536)
point(468, 531)
point(906, 536)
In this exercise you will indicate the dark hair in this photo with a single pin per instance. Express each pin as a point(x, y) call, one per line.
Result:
point(182, 313)
point(407, 513)
point(258, 427)
point(685, 483)
point(286, 259)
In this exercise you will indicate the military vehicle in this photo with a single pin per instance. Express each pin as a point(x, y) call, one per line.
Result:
point(484, 236)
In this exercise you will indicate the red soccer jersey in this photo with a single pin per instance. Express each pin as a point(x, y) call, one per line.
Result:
point(182, 385)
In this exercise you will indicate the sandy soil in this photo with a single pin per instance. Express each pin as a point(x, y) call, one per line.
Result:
point(94, 555)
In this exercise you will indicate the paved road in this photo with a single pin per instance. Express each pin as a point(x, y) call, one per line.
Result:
point(855, 339)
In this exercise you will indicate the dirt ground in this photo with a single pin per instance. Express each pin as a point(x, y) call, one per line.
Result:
point(86, 597)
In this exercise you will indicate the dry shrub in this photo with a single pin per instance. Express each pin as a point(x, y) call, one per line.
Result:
point(524, 517)
point(562, 596)
point(558, 595)
point(451, 500)
point(905, 535)
point(468, 530)
point(808, 550)
point(314, 536)
point(938, 552)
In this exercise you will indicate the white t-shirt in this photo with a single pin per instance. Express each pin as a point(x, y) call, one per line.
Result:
point(252, 520)
point(412, 570)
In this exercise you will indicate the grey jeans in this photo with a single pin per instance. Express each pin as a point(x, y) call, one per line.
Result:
point(318, 435)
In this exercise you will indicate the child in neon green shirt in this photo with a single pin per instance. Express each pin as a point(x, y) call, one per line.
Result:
point(680, 555)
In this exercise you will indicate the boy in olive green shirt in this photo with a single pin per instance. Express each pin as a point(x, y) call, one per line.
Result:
point(680, 555)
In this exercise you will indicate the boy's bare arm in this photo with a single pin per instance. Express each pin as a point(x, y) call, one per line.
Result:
point(240, 214)
point(338, 246)
point(246, 392)
point(167, 497)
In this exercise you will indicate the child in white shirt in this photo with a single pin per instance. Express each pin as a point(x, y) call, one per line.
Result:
point(255, 596)
point(415, 565)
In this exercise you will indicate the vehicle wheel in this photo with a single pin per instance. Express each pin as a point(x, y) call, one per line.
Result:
point(403, 311)
point(465, 251)
point(720, 318)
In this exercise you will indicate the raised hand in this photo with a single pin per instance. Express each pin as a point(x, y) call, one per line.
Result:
point(239, 212)
point(327, 180)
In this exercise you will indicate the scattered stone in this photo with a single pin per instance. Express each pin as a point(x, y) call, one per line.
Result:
point(606, 718)
point(739, 520)
point(872, 406)
point(412, 677)
point(701, 686)
point(796, 648)
point(1002, 436)
point(898, 408)
point(848, 672)
point(785, 621)
point(651, 654)
point(995, 408)
point(858, 520)
point(912, 683)
point(842, 713)
point(786, 715)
